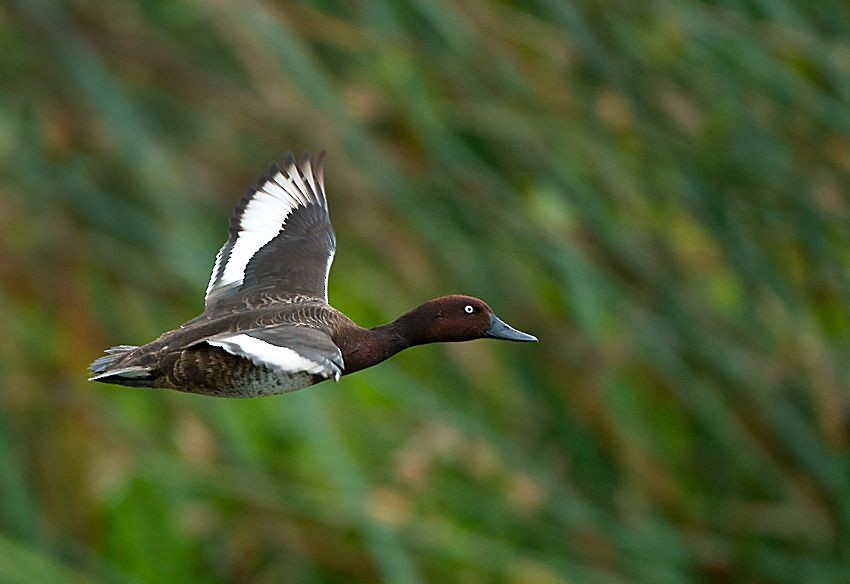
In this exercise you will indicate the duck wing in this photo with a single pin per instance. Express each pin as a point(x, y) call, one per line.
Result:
point(285, 349)
point(281, 242)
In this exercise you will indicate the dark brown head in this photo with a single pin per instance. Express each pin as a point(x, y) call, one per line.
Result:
point(456, 318)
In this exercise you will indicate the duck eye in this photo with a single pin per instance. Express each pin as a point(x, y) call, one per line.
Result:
point(468, 309)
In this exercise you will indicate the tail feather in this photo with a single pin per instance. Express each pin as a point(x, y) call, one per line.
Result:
point(120, 349)
point(107, 370)
point(113, 356)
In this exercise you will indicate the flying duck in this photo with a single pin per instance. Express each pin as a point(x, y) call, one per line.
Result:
point(267, 327)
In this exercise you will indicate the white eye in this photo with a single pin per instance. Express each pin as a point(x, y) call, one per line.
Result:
point(468, 309)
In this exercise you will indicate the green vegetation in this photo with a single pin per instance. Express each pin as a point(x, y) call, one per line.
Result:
point(658, 190)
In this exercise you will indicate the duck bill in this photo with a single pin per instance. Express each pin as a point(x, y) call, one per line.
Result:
point(499, 329)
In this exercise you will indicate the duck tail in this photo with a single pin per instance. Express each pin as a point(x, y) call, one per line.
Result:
point(107, 369)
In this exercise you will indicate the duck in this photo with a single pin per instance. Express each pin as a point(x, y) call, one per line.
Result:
point(267, 327)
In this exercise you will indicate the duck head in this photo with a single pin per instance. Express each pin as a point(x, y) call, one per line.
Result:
point(457, 318)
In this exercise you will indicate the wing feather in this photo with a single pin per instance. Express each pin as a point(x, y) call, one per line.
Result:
point(281, 239)
point(286, 349)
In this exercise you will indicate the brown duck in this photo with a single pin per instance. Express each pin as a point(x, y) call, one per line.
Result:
point(267, 327)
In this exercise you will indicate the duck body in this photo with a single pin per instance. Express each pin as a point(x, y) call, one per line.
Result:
point(267, 327)
point(238, 354)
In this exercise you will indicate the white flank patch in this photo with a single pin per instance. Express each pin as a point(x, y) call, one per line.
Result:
point(261, 221)
point(262, 353)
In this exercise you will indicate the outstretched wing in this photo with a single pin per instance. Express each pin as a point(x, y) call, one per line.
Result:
point(281, 239)
point(286, 349)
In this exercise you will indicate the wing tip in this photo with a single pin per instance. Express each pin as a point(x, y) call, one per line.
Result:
point(311, 172)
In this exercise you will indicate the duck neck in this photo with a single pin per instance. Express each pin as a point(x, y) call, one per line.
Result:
point(408, 330)
point(382, 342)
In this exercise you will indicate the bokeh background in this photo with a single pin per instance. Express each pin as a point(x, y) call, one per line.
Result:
point(657, 189)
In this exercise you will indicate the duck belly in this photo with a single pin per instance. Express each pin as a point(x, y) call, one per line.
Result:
point(212, 371)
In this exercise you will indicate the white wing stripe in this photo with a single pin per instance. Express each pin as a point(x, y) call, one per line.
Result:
point(261, 221)
point(266, 354)
point(287, 186)
point(215, 269)
point(263, 217)
point(308, 174)
point(328, 270)
point(272, 187)
point(295, 176)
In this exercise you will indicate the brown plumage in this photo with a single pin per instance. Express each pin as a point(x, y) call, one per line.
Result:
point(267, 327)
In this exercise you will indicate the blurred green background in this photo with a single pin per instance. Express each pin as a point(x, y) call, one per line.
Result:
point(657, 189)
